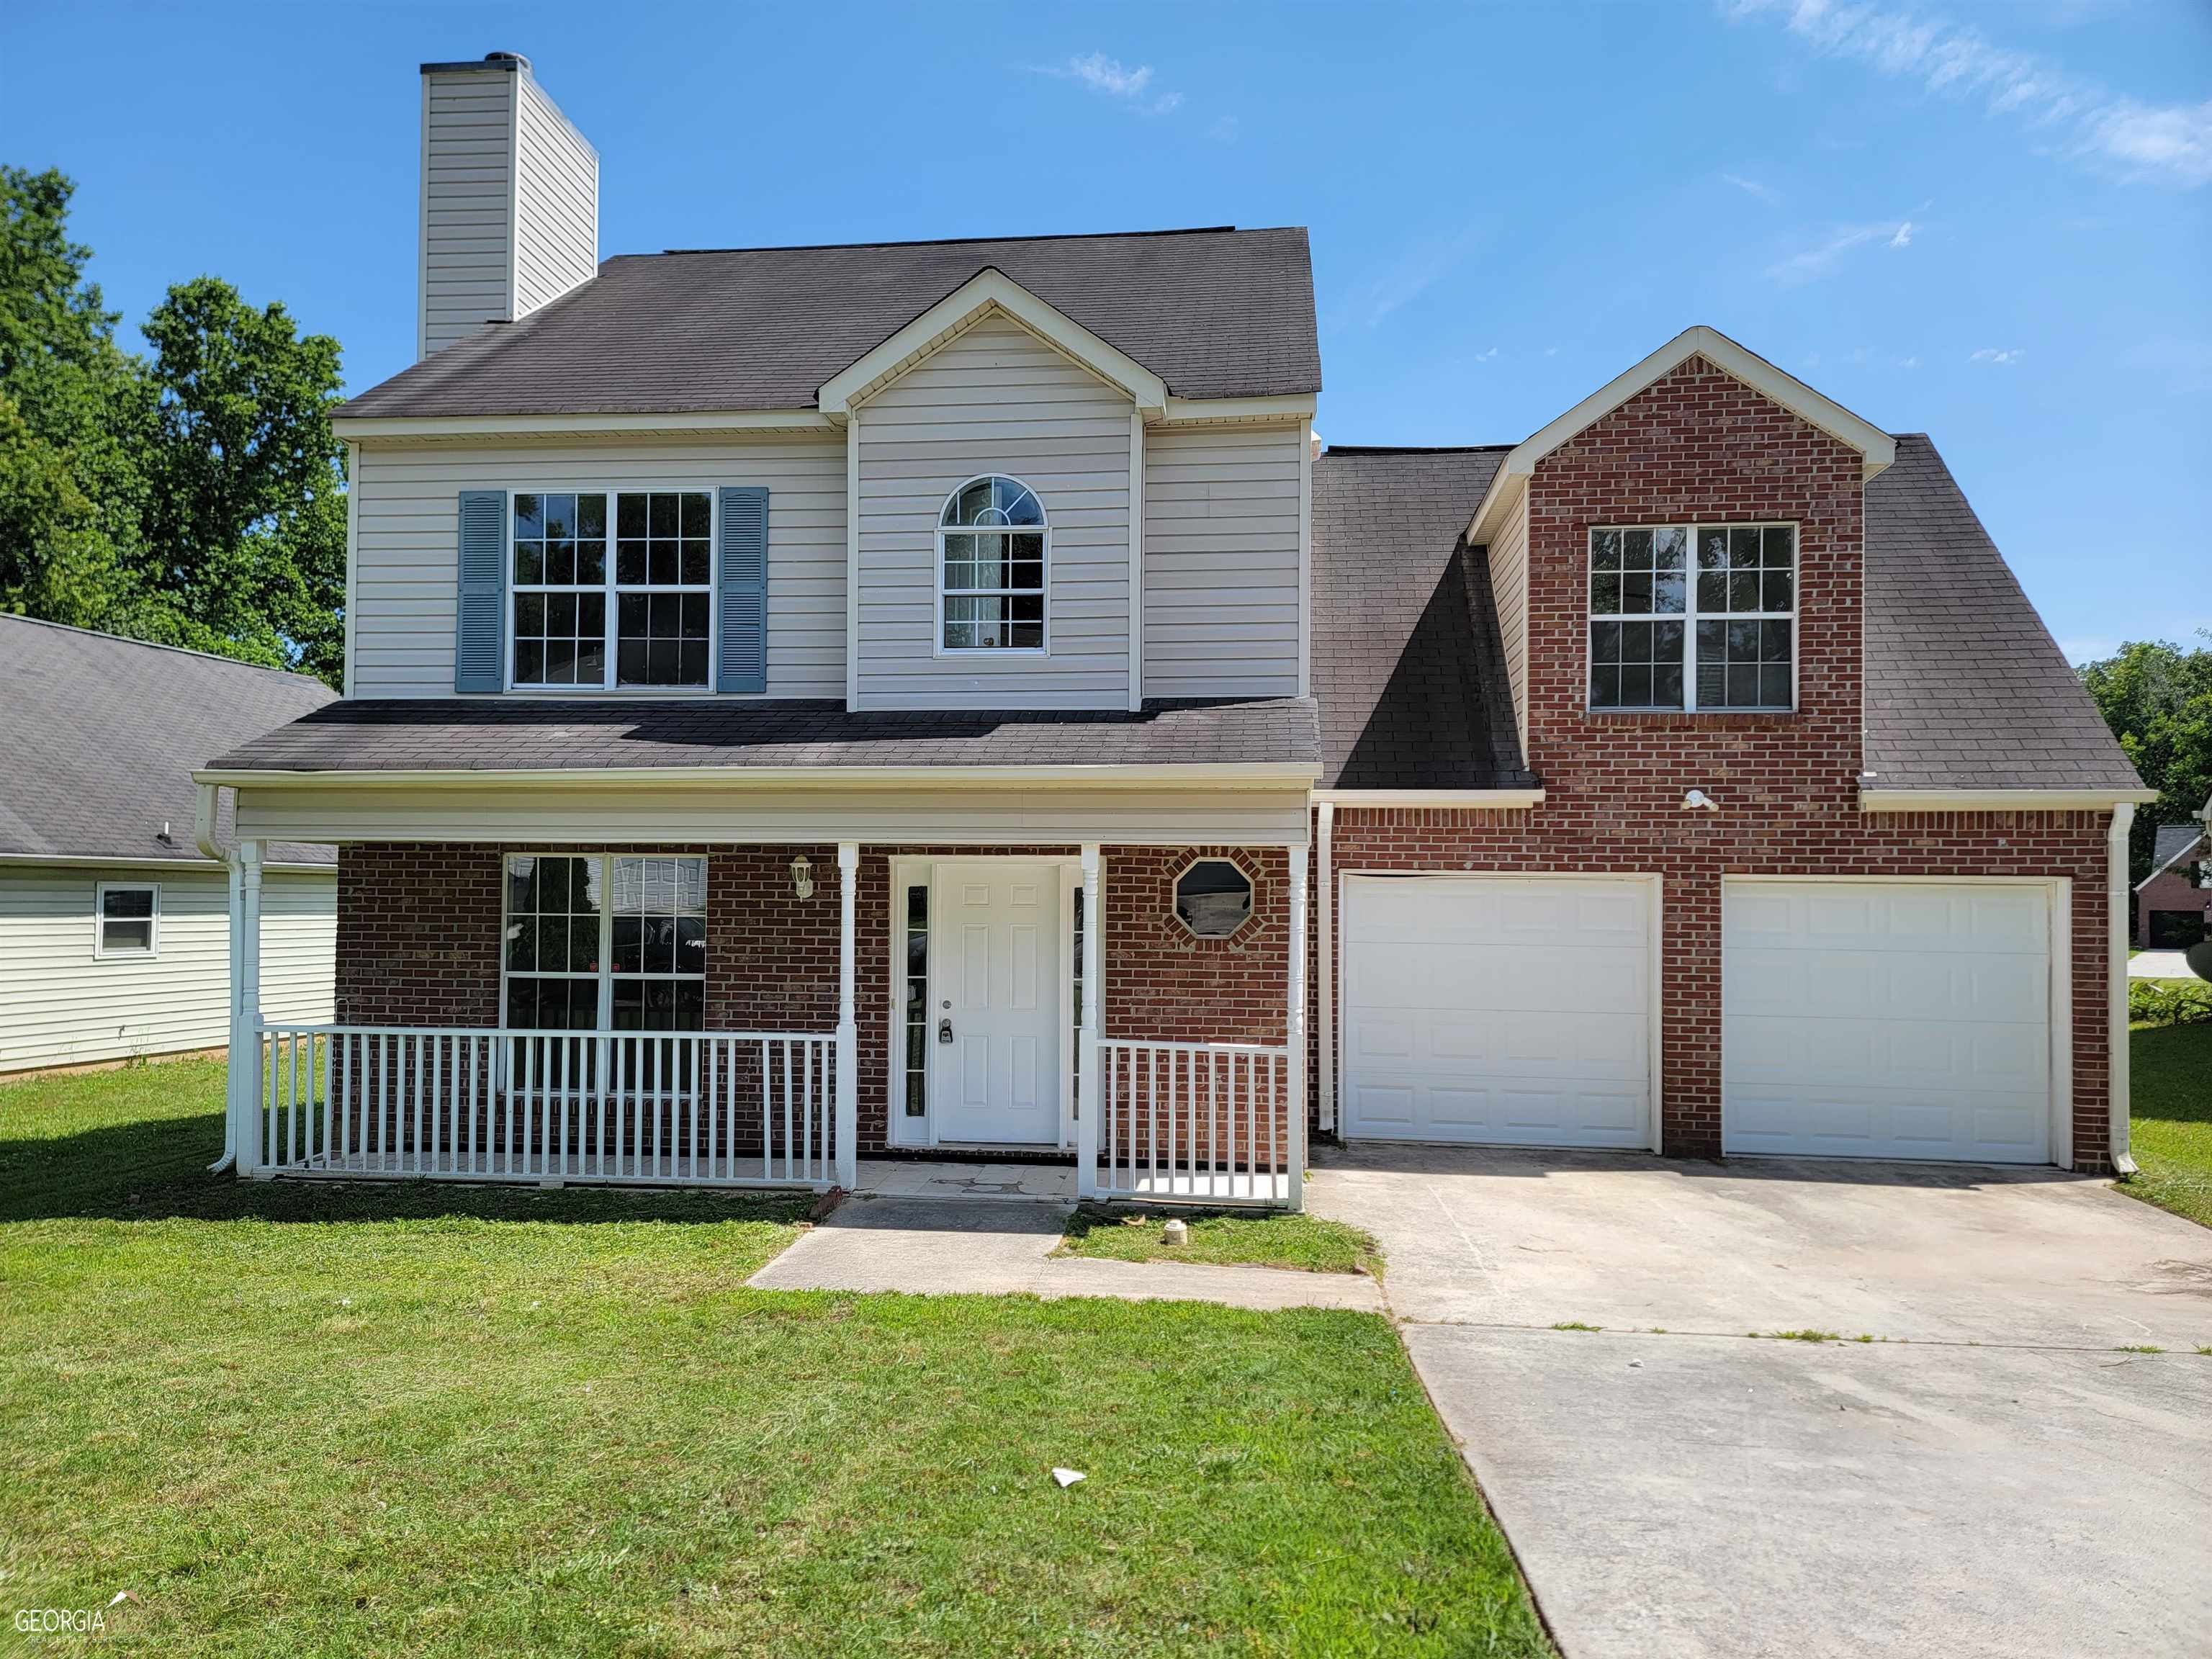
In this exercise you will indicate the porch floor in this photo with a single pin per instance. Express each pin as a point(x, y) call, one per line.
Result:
point(1050, 1183)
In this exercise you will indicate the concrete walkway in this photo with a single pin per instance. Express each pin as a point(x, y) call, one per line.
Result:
point(985, 1246)
point(1994, 1474)
point(2159, 965)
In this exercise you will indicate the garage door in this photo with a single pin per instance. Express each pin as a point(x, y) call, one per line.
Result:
point(1873, 1020)
point(1497, 1010)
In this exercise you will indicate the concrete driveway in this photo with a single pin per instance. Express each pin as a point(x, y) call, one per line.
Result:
point(1993, 1473)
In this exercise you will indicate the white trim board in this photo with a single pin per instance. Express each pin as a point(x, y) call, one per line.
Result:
point(1876, 446)
point(1999, 801)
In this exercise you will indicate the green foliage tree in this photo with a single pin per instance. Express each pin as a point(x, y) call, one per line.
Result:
point(2157, 698)
point(197, 498)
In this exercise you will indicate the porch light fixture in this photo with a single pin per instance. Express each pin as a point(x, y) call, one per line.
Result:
point(802, 878)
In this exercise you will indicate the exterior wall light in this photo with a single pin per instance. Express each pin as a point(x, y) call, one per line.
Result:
point(802, 878)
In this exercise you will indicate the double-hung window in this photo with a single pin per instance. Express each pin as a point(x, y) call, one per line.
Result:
point(1692, 617)
point(599, 943)
point(991, 561)
point(129, 919)
point(612, 589)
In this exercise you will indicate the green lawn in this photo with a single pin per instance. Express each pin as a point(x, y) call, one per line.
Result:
point(304, 1420)
point(1305, 1242)
point(2170, 1129)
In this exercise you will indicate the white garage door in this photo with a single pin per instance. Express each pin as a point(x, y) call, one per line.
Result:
point(1497, 1010)
point(1878, 1020)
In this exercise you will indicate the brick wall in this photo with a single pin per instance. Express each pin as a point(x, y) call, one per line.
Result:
point(1695, 446)
point(2169, 891)
point(418, 935)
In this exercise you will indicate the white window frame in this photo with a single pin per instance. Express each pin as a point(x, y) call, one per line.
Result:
point(1690, 616)
point(1175, 898)
point(128, 953)
point(937, 646)
point(613, 591)
point(606, 975)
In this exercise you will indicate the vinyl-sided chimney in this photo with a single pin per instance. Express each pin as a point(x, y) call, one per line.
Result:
point(510, 200)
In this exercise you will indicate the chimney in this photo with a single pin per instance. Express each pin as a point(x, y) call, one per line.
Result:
point(510, 200)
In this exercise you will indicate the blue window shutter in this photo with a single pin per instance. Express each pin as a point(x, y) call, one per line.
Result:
point(743, 599)
point(480, 621)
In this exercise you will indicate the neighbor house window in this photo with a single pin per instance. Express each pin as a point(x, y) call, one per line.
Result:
point(594, 943)
point(1693, 616)
point(612, 589)
point(991, 567)
point(129, 915)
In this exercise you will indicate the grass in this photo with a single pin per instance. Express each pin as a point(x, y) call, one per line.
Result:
point(2170, 1130)
point(1806, 1335)
point(1305, 1242)
point(308, 1420)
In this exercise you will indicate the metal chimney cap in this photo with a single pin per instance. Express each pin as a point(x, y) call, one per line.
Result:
point(507, 57)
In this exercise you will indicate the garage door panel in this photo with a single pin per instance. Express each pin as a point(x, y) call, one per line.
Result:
point(1507, 1010)
point(1886, 1020)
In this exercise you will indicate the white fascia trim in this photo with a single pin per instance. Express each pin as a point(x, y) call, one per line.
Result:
point(1876, 446)
point(1471, 800)
point(1299, 406)
point(991, 287)
point(1294, 776)
point(370, 428)
point(2000, 800)
point(80, 861)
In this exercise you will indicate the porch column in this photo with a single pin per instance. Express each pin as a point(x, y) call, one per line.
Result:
point(1297, 1197)
point(244, 1058)
point(848, 1046)
point(1087, 1095)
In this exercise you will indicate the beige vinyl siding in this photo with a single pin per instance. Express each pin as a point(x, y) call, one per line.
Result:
point(996, 399)
point(65, 1007)
point(467, 187)
point(628, 814)
point(407, 517)
point(555, 204)
point(1221, 561)
point(1509, 587)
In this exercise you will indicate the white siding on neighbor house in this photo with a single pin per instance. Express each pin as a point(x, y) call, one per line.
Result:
point(997, 398)
point(1221, 561)
point(556, 238)
point(62, 1005)
point(467, 185)
point(1508, 587)
point(407, 525)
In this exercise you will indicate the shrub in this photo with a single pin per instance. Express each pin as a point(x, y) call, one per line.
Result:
point(2155, 1002)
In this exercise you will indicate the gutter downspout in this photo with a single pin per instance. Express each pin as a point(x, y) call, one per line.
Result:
point(1325, 966)
point(203, 816)
point(2116, 881)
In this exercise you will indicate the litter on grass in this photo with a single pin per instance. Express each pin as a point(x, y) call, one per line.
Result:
point(1067, 1477)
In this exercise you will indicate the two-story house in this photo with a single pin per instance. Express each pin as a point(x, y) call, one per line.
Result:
point(933, 697)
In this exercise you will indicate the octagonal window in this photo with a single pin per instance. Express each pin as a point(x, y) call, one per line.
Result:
point(1213, 898)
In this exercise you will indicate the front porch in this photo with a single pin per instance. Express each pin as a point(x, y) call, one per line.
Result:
point(503, 1018)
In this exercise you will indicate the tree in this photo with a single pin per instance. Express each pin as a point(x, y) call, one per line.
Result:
point(2157, 698)
point(196, 499)
point(74, 409)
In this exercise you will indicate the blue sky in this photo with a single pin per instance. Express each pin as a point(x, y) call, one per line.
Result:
point(1993, 223)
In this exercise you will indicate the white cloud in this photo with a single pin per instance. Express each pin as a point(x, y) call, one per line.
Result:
point(1765, 193)
point(1817, 261)
point(1420, 268)
point(2173, 142)
point(1485, 356)
point(1224, 130)
point(2004, 357)
point(1908, 362)
point(1111, 78)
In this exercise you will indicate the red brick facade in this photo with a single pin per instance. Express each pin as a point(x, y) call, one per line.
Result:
point(1698, 445)
point(2169, 892)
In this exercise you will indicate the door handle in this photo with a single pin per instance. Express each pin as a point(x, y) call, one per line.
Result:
point(944, 1031)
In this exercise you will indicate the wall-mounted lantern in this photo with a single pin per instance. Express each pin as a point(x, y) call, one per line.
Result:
point(802, 878)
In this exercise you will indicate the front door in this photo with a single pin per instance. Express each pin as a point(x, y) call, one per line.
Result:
point(995, 1030)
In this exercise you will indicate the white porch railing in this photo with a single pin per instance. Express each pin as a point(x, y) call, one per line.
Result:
point(1198, 1122)
point(742, 1108)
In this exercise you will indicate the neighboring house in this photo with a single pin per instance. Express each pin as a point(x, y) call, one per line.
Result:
point(810, 701)
point(114, 926)
point(2172, 911)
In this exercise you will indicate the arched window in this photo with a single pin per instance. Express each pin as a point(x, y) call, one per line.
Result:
point(991, 558)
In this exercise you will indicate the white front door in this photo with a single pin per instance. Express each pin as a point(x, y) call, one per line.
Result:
point(995, 1024)
point(1498, 1009)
